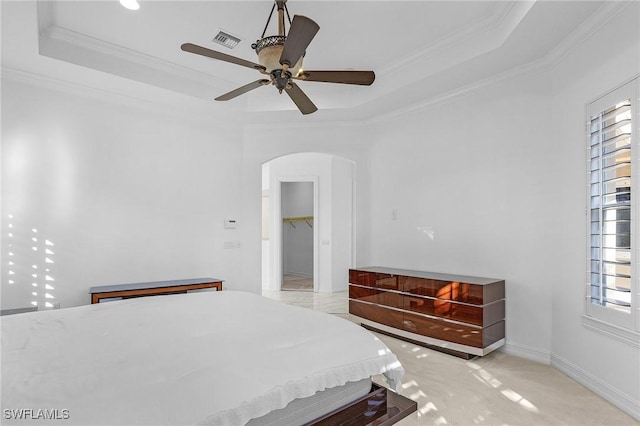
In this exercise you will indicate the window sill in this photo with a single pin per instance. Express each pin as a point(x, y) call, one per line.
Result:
point(624, 335)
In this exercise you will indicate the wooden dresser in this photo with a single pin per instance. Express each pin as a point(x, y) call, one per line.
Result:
point(461, 315)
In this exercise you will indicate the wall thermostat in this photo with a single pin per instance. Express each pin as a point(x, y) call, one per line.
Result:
point(230, 224)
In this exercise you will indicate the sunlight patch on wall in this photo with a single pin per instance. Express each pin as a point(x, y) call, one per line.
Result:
point(31, 260)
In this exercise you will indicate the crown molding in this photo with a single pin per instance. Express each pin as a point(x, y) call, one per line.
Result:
point(194, 113)
point(579, 35)
point(502, 20)
point(458, 92)
point(55, 40)
point(59, 35)
point(203, 113)
point(54, 33)
point(290, 125)
point(481, 38)
point(492, 30)
point(44, 10)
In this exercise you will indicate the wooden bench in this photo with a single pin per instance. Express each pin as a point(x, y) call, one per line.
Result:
point(152, 288)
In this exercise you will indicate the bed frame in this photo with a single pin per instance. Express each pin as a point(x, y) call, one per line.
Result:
point(378, 408)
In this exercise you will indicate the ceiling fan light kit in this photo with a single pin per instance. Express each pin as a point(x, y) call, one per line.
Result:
point(269, 50)
point(280, 57)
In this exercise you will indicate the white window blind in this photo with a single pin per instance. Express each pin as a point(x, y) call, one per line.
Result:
point(611, 291)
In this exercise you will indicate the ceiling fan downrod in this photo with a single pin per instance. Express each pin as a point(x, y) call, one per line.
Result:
point(269, 49)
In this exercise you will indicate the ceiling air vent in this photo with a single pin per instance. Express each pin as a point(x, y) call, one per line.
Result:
point(226, 39)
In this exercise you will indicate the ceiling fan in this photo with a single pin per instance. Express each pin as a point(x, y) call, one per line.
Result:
point(280, 58)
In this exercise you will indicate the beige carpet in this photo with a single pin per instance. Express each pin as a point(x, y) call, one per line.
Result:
point(497, 389)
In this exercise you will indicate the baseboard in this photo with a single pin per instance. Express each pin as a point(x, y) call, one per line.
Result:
point(588, 380)
point(527, 352)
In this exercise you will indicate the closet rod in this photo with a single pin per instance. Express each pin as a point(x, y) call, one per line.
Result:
point(305, 219)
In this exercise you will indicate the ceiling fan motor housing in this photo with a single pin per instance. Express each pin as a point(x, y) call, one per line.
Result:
point(269, 50)
point(281, 79)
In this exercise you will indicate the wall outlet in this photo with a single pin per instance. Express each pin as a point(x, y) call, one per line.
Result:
point(394, 214)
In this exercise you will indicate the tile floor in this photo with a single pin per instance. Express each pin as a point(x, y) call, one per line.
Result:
point(497, 389)
point(297, 282)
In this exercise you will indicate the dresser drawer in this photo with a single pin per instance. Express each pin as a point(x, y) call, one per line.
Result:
point(373, 295)
point(363, 278)
point(453, 290)
point(460, 292)
point(471, 314)
point(373, 279)
point(376, 313)
point(364, 294)
point(445, 309)
point(439, 329)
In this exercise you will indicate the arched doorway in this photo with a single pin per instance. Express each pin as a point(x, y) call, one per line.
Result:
point(332, 221)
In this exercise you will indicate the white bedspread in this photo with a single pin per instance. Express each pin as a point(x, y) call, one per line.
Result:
point(202, 358)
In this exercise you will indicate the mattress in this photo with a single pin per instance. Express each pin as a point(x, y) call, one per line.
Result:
point(303, 410)
point(203, 358)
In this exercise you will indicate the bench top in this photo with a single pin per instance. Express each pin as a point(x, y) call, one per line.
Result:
point(152, 284)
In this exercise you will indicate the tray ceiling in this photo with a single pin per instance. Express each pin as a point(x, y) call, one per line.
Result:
point(420, 50)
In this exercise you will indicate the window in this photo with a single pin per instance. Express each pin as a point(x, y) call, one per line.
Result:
point(613, 207)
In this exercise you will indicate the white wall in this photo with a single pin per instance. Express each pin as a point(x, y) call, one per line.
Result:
point(489, 184)
point(264, 143)
point(131, 195)
point(609, 365)
point(265, 246)
point(314, 169)
point(342, 224)
point(493, 184)
point(297, 201)
point(470, 181)
point(330, 174)
point(125, 195)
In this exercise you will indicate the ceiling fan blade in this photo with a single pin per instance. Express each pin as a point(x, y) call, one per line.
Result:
point(301, 100)
point(364, 78)
point(300, 35)
point(244, 89)
point(199, 50)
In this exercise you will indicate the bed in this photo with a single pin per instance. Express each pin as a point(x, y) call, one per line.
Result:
point(211, 358)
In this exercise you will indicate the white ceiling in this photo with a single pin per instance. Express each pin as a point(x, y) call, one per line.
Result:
point(420, 50)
